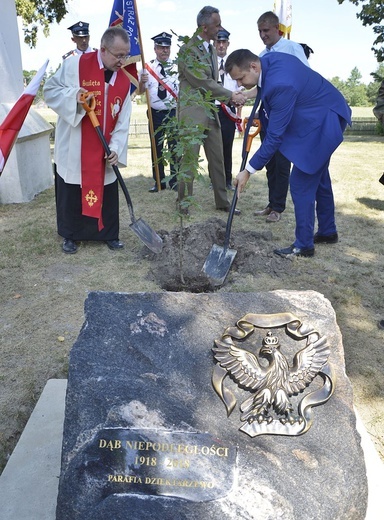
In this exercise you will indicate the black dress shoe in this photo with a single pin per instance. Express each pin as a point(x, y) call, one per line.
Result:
point(69, 246)
point(227, 210)
point(326, 239)
point(155, 189)
point(230, 187)
point(295, 251)
point(114, 244)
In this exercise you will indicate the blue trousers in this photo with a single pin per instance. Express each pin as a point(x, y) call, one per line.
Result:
point(312, 194)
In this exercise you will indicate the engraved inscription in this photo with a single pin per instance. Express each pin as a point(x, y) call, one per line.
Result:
point(193, 466)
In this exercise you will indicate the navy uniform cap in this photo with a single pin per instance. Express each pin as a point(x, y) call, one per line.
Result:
point(223, 34)
point(80, 29)
point(163, 39)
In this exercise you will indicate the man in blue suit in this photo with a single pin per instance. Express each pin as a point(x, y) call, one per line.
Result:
point(306, 116)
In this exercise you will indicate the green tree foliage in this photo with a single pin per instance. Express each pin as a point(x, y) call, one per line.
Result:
point(354, 77)
point(353, 90)
point(183, 130)
point(187, 135)
point(39, 13)
point(372, 13)
point(28, 75)
point(357, 93)
point(373, 87)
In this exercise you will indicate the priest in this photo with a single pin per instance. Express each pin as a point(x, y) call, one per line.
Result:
point(87, 204)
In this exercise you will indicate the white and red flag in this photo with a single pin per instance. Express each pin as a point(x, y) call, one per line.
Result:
point(10, 127)
point(283, 9)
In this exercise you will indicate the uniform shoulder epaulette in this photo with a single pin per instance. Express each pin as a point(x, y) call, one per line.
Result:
point(68, 54)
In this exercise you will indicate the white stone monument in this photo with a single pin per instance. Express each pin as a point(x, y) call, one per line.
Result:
point(29, 167)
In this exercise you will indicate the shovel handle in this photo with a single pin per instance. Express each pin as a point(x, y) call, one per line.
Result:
point(251, 134)
point(249, 138)
point(88, 101)
point(89, 104)
point(256, 125)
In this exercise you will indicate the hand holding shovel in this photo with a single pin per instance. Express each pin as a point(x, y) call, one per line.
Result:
point(146, 234)
point(219, 260)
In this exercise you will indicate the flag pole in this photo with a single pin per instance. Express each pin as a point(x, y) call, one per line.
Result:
point(150, 119)
point(283, 9)
point(290, 29)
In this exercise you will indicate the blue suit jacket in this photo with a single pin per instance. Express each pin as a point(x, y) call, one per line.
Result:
point(304, 114)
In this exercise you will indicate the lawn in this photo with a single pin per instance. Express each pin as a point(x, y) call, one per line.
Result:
point(43, 290)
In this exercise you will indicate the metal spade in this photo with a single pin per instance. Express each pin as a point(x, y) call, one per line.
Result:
point(220, 258)
point(146, 234)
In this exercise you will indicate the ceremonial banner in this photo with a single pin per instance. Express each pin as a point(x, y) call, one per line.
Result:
point(10, 127)
point(124, 14)
point(283, 9)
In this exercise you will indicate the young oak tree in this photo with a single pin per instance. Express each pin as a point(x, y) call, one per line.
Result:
point(187, 134)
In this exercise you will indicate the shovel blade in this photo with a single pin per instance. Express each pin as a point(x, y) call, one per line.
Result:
point(147, 235)
point(218, 263)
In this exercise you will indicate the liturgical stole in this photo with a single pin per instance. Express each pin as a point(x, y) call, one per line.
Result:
point(92, 151)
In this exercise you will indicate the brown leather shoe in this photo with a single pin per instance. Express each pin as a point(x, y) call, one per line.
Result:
point(274, 216)
point(262, 213)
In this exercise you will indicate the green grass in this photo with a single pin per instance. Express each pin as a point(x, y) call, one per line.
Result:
point(43, 291)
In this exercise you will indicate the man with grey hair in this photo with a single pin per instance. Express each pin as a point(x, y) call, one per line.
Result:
point(204, 78)
point(87, 204)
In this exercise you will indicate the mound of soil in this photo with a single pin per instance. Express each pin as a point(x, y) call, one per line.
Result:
point(254, 254)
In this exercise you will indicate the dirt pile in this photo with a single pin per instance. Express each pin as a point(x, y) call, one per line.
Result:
point(173, 274)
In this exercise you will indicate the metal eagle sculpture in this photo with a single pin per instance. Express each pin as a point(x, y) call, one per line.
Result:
point(271, 385)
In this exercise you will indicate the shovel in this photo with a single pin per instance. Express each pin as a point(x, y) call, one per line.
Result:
point(219, 260)
point(141, 228)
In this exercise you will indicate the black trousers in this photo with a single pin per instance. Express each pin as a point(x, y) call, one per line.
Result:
point(72, 224)
point(278, 172)
point(228, 128)
point(159, 118)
